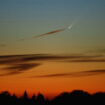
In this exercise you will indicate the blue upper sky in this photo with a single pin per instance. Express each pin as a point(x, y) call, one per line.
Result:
point(26, 18)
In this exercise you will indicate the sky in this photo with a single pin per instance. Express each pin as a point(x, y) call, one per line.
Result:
point(68, 59)
point(28, 18)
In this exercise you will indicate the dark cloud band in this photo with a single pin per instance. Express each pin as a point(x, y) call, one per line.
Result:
point(16, 63)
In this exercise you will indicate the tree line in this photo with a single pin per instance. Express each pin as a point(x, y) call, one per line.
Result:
point(66, 98)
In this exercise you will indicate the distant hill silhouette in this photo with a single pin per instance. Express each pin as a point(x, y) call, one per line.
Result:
point(75, 97)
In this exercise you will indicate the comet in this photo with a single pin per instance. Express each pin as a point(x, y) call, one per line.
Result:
point(70, 27)
point(53, 32)
point(49, 33)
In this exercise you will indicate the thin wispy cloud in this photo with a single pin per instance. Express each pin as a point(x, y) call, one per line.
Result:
point(87, 60)
point(73, 74)
point(22, 67)
point(101, 50)
point(2, 45)
point(97, 51)
point(10, 73)
point(18, 68)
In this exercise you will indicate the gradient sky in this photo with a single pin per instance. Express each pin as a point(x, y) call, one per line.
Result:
point(65, 59)
point(26, 18)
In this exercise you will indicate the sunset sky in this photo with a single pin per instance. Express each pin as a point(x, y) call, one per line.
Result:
point(38, 52)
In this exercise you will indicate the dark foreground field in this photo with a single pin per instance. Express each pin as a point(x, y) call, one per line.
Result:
point(75, 97)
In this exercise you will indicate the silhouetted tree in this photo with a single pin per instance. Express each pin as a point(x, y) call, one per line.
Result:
point(72, 98)
point(24, 100)
point(25, 95)
point(33, 100)
point(40, 99)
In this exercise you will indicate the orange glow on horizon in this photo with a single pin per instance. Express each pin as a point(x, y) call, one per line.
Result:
point(51, 87)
